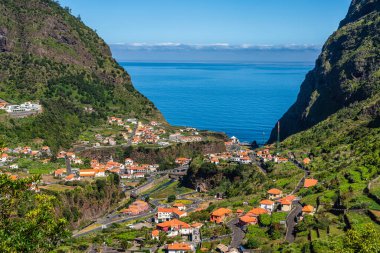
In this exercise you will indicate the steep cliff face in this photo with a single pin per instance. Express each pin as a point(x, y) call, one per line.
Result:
point(48, 55)
point(347, 71)
point(157, 155)
point(88, 200)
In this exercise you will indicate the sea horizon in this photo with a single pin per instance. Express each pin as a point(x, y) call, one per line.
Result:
point(210, 95)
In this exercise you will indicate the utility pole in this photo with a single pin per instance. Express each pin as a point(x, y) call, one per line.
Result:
point(278, 137)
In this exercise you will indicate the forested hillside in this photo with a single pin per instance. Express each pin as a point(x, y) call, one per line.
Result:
point(50, 56)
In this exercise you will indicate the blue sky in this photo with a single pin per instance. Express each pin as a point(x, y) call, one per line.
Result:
point(222, 23)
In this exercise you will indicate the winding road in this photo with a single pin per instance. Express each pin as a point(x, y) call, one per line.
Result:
point(297, 208)
point(237, 233)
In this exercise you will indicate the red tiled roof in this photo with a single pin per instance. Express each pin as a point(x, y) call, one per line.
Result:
point(173, 223)
point(266, 202)
point(309, 182)
point(179, 246)
point(248, 219)
point(274, 191)
point(221, 212)
point(257, 211)
point(308, 209)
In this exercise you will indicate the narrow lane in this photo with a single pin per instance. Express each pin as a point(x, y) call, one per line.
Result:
point(290, 222)
point(237, 233)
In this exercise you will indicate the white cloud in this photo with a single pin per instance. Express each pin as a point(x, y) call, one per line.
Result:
point(173, 46)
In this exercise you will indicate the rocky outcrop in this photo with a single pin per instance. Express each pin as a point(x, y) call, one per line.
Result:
point(347, 71)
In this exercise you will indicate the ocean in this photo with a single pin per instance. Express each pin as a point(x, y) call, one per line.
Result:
point(242, 100)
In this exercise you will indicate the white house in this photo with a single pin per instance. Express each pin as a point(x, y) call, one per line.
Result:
point(14, 166)
point(267, 205)
point(4, 157)
point(128, 162)
point(175, 227)
point(167, 214)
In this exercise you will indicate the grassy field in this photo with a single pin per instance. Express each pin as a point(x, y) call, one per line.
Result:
point(57, 187)
point(358, 220)
point(173, 188)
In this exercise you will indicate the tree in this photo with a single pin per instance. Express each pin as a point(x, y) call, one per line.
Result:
point(365, 240)
point(252, 243)
point(265, 219)
point(27, 220)
point(171, 198)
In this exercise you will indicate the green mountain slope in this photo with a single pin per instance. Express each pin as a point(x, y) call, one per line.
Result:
point(48, 55)
point(347, 71)
point(345, 145)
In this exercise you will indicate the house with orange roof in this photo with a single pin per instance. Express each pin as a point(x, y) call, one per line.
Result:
point(13, 177)
point(4, 157)
point(35, 153)
point(197, 225)
point(34, 187)
point(274, 193)
point(179, 206)
point(175, 227)
point(308, 209)
point(128, 162)
point(92, 173)
point(137, 169)
point(156, 234)
point(136, 208)
point(214, 160)
point(182, 160)
point(166, 214)
point(310, 182)
point(3, 104)
point(45, 149)
point(278, 159)
point(70, 177)
point(257, 211)
point(71, 155)
point(77, 161)
point(60, 172)
point(239, 212)
point(179, 247)
point(116, 171)
point(61, 154)
point(285, 204)
point(267, 205)
point(245, 160)
point(247, 220)
point(5, 150)
point(306, 161)
point(219, 215)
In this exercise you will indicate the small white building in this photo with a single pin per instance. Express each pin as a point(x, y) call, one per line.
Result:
point(4, 158)
point(14, 166)
point(267, 205)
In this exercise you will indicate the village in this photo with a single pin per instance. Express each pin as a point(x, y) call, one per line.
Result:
point(131, 131)
point(183, 222)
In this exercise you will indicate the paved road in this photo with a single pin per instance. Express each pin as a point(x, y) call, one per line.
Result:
point(105, 225)
point(290, 222)
point(23, 114)
point(106, 222)
point(297, 208)
point(237, 233)
point(258, 163)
